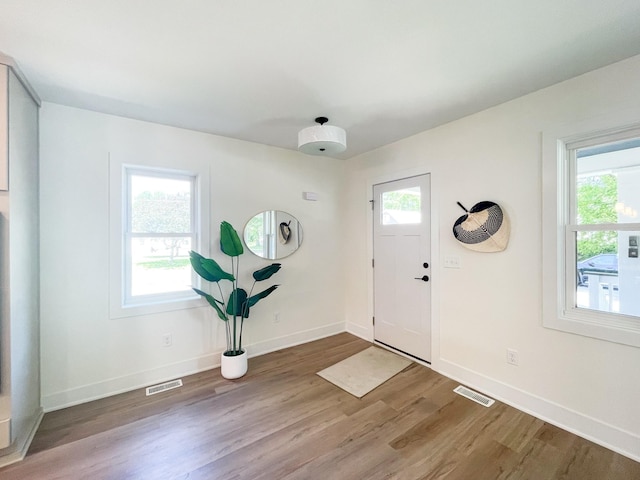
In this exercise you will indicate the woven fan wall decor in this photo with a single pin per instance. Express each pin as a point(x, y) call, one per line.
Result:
point(484, 228)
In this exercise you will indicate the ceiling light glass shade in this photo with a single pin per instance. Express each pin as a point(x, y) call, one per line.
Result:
point(322, 140)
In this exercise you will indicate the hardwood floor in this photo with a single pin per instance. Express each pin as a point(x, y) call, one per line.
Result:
point(281, 421)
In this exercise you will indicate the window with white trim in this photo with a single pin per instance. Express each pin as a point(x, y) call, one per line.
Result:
point(159, 231)
point(595, 266)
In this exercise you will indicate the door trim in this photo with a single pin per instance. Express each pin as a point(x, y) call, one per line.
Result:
point(367, 331)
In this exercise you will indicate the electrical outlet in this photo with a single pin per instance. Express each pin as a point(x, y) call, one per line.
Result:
point(512, 357)
point(167, 340)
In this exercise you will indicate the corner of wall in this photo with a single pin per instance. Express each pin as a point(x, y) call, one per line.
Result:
point(18, 450)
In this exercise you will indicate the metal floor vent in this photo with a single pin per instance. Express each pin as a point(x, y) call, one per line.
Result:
point(163, 387)
point(475, 396)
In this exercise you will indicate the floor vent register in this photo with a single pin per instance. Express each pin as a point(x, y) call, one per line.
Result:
point(163, 387)
point(475, 396)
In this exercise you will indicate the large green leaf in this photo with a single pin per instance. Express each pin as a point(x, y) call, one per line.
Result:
point(196, 262)
point(212, 267)
point(213, 302)
point(259, 296)
point(236, 302)
point(230, 243)
point(208, 268)
point(266, 272)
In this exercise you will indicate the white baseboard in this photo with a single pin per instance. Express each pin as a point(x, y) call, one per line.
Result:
point(294, 339)
point(366, 333)
point(126, 383)
point(16, 452)
point(611, 437)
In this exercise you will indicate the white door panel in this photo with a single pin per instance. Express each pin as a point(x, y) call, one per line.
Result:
point(401, 245)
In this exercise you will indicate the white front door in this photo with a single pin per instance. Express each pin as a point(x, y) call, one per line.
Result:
point(402, 265)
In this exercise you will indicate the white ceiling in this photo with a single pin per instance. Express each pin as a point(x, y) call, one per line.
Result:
point(261, 70)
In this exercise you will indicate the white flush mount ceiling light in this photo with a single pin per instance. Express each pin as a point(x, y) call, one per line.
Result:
point(322, 139)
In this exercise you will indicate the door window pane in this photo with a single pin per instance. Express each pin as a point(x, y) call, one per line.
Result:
point(401, 207)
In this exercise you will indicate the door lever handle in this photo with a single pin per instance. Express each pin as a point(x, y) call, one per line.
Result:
point(424, 278)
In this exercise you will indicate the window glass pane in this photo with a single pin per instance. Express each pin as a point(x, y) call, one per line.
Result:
point(597, 195)
point(606, 183)
point(608, 271)
point(160, 205)
point(401, 206)
point(160, 265)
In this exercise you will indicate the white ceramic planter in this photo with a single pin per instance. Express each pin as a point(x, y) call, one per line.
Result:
point(233, 367)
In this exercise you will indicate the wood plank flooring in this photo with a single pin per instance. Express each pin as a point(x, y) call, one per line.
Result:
point(282, 421)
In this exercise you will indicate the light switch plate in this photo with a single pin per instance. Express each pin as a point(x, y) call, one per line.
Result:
point(451, 261)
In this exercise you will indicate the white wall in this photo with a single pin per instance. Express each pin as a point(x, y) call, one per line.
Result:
point(85, 353)
point(493, 302)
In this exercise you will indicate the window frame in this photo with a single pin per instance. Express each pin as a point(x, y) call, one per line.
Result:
point(558, 213)
point(120, 304)
point(130, 300)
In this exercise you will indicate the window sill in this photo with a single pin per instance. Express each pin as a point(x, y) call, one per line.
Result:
point(623, 329)
point(119, 311)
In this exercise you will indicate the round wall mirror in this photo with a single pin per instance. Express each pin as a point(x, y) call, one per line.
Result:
point(273, 234)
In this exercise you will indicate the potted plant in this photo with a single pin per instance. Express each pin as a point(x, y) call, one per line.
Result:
point(236, 307)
